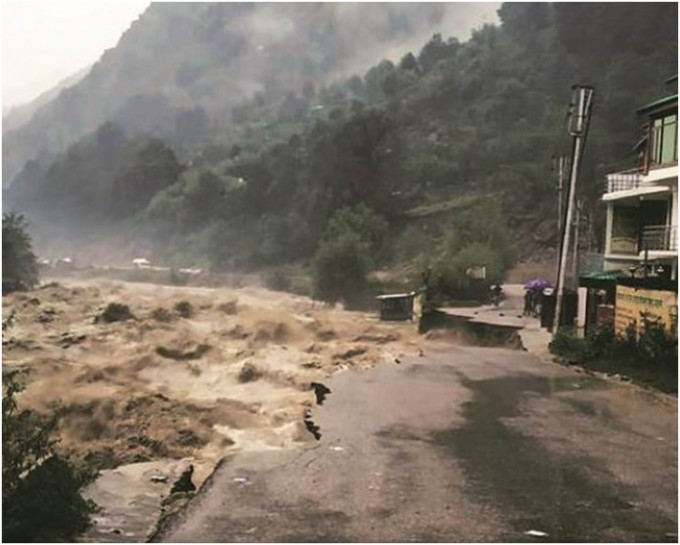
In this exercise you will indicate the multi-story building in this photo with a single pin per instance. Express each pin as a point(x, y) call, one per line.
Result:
point(642, 203)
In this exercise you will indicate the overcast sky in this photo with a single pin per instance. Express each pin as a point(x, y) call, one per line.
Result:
point(45, 41)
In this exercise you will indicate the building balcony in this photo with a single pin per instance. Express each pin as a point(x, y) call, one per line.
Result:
point(634, 184)
point(624, 181)
point(660, 238)
point(661, 174)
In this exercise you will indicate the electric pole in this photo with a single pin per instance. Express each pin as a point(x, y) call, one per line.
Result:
point(561, 167)
point(582, 100)
point(574, 255)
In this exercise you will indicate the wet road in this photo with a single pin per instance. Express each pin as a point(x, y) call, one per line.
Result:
point(463, 444)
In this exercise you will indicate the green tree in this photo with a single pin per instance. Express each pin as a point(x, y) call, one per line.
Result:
point(409, 62)
point(19, 266)
point(370, 228)
point(340, 267)
point(147, 167)
point(41, 498)
point(436, 50)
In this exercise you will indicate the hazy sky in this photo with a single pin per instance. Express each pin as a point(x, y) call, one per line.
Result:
point(45, 41)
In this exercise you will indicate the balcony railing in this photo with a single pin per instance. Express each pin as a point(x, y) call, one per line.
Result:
point(623, 181)
point(660, 237)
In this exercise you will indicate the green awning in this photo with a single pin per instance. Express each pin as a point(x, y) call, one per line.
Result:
point(658, 103)
point(607, 275)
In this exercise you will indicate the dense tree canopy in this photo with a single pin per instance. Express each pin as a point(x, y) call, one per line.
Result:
point(19, 267)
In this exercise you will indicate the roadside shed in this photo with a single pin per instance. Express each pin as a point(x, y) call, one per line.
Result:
point(396, 306)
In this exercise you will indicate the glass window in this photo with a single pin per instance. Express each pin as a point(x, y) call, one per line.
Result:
point(669, 139)
point(665, 140)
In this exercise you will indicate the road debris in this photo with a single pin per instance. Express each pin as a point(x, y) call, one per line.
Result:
point(68, 339)
point(351, 353)
point(184, 484)
point(310, 425)
point(321, 391)
point(249, 372)
point(114, 312)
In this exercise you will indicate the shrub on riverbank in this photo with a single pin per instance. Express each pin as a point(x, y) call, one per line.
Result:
point(41, 498)
point(648, 357)
point(19, 266)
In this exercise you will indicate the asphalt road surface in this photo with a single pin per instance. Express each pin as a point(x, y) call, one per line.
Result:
point(463, 444)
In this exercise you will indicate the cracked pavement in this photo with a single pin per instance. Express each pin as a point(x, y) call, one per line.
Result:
point(464, 444)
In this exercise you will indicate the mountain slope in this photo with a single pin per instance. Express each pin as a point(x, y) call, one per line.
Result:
point(451, 148)
point(178, 57)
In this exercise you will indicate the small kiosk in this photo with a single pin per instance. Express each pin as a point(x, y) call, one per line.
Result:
point(397, 306)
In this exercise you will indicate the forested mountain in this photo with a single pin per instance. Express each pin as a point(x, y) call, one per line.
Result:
point(181, 67)
point(433, 156)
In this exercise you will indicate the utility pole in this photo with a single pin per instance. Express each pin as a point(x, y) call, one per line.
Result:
point(574, 254)
point(582, 99)
point(560, 164)
point(561, 167)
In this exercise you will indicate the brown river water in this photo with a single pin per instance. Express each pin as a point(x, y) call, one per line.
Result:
point(141, 399)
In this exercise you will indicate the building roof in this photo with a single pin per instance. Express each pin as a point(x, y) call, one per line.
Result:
point(665, 101)
point(396, 295)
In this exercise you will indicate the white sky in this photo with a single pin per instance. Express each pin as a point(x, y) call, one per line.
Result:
point(46, 41)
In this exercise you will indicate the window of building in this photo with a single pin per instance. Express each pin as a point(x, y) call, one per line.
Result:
point(665, 140)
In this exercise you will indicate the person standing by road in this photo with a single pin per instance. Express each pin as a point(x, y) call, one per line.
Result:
point(496, 292)
point(528, 302)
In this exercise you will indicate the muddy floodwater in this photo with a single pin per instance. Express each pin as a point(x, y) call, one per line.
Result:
point(143, 398)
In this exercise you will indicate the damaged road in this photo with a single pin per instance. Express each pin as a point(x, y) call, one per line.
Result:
point(463, 444)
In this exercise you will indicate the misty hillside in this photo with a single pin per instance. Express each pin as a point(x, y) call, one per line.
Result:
point(441, 158)
point(195, 61)
point(17, 116)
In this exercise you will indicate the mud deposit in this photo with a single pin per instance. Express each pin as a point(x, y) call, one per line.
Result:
point(143, 397)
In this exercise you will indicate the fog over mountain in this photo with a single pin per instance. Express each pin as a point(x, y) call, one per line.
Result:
point(241, 137)
point(17, 116)
point(179, 56)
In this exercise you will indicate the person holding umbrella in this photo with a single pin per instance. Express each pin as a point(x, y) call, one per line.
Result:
point(533, 290)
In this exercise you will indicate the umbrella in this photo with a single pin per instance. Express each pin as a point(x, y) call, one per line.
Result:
point(537, 284)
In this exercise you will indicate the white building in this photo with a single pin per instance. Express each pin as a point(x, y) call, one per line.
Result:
point(642, 203)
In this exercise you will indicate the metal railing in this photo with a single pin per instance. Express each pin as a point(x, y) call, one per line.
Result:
point(623, 181)
point(660, 237)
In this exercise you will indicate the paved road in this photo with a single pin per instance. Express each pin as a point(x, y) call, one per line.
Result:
point(463, 444)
